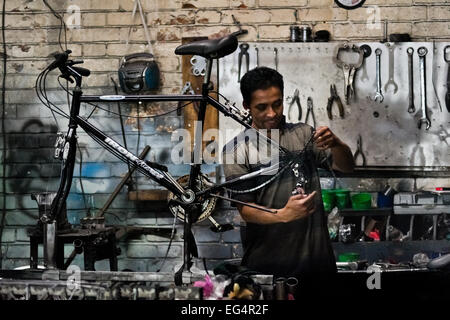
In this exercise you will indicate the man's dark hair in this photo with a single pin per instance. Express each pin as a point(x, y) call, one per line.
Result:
point(260, 78)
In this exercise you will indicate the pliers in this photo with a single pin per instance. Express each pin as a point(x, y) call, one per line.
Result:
point(359, 151)
point(310, 111)
point(334, 96)
point(244, 52)
point(295, 99)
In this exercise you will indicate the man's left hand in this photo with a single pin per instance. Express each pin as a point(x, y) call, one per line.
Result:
point(325, 138)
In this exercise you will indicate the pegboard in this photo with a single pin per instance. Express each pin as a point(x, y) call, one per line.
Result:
point(390, 135)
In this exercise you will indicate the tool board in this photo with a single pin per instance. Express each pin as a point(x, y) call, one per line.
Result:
point(390, 134)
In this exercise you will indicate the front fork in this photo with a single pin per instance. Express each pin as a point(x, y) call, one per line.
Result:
point(66, 151)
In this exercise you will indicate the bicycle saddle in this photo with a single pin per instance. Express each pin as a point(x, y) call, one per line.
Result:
point(210, 49)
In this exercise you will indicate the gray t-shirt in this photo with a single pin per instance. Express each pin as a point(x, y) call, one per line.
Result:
point(284, 249)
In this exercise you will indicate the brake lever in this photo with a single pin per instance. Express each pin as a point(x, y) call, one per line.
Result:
point(66, 77)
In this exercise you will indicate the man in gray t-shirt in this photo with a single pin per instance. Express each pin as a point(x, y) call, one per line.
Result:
point(293, 241)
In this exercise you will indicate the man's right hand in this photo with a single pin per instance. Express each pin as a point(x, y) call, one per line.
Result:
point(298, 207)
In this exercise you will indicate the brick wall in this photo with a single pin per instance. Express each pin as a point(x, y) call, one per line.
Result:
point(98, 36)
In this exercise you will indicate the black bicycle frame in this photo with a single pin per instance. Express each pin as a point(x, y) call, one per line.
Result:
point(161, 177)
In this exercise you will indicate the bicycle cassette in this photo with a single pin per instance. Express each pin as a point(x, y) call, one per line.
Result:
point(207, 206)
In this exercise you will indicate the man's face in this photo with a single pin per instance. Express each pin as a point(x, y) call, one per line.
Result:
point(266, 108)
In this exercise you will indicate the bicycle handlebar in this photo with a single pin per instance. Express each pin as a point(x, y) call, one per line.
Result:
point(60, 59)
point(239, 32)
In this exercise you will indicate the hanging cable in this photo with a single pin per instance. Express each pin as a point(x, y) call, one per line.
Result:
point(61, 27)
point(81, 181)
point(2, 223)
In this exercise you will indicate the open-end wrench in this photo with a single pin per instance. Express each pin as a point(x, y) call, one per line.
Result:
point(391, 69)
point(411, 107)
point(422, 52)
point(275, 52)
point(447, 95)
point(378, 94)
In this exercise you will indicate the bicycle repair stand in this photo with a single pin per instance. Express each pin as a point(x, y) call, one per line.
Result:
point(94, 239)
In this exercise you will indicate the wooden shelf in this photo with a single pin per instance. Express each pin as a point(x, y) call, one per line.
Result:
point(366, 212)
point(148, 195)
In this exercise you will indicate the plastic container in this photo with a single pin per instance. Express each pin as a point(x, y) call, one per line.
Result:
point(348, 257)
point(361, 201)
point(329, 199)
point(384, 201)
point(342, 198)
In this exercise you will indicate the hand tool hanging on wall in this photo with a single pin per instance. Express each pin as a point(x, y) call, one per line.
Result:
point(244, 52)
point(295, 99)
point(411, 107)
point(275, 53)
point(422, 52)
point(359, 151)
point(334, 97)
point(447, 95)
point(348, 69)
point(310, 111)
point(257, 56)
point(367, 52)
point(378, 94)
point(138, 71)
point(433, 75)
point(391, 81)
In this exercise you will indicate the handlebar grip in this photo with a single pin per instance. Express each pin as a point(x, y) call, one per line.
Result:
point(73, 62)
point(82, 71)
point(239, 32)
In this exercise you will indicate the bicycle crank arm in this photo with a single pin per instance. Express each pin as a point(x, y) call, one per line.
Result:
point(219, 227)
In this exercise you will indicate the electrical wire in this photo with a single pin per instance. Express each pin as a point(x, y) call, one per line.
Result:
point(2, 223)
point(172, 236)
point(42, 95)
point(62, 25)
point(124, 138)
point(80, 178)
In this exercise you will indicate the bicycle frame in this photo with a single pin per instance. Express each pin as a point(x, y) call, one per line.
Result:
point(187, 195)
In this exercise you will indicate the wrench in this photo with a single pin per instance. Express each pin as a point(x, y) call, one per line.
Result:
point(257, 56)
point(422, 52)
point(411, 107)
point(391, 70)
point(378, 94)
point(275, 52)
point(447, 95)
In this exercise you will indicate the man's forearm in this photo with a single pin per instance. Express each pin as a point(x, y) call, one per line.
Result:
point(342, 158)
point(254, 215)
